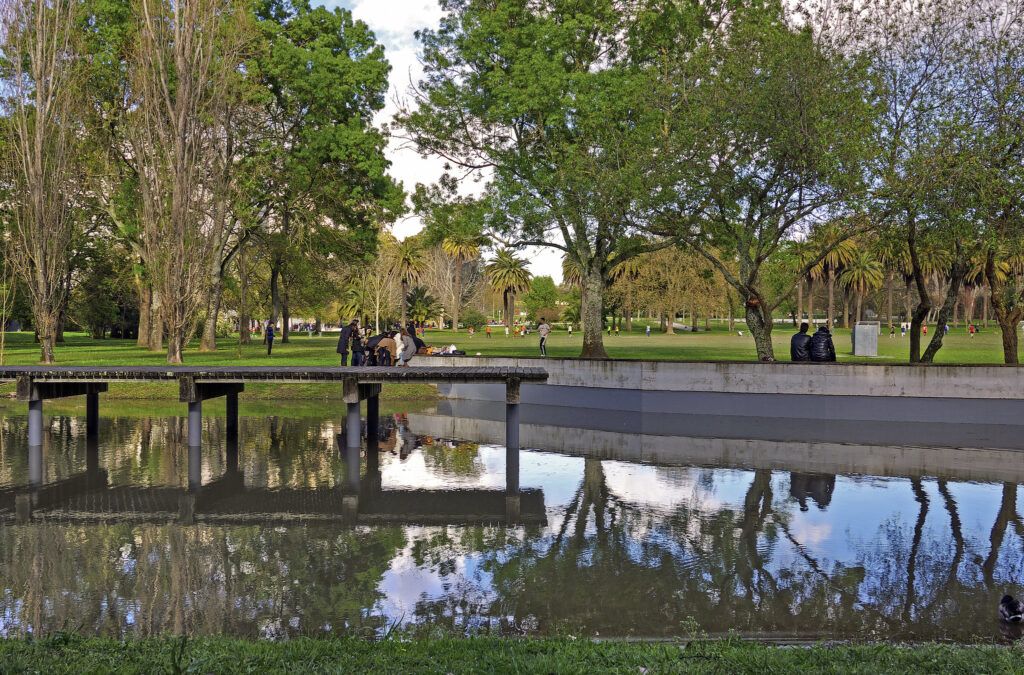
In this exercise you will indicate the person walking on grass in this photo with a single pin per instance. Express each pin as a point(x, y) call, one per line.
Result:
point(822, 349)
point(800, 345)
point(269, 333)
point(648, 331)
point(506, 330)
point(487, 331)
point(543, 329)
point(570, 329)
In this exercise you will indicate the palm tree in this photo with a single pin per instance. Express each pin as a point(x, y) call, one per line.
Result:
point(409, 261)
point(895, 259)
point(508, 275)
point(461, 248)
point(626, 269)
point(862, 274)
point(353, 300)
point(422, 305)
point(802, 252)
point(840, 251)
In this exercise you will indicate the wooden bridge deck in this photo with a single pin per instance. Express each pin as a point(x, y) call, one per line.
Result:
point(283, 374)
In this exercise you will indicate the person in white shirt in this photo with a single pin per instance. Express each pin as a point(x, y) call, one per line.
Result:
point(543, 329)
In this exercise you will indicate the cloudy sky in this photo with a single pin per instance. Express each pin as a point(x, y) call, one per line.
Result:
point(395, 22)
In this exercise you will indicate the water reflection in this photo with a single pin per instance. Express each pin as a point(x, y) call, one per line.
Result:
point(265, 538)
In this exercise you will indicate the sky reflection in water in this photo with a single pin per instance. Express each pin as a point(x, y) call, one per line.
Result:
point(626, 549)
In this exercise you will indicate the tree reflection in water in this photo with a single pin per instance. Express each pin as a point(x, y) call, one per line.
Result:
point(736, 550)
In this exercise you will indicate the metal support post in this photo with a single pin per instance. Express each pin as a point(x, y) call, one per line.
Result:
point(195, 424)
point(92, 414)
point(35, 423)
point(232, 416)
point(372, 422)
point(352, 426)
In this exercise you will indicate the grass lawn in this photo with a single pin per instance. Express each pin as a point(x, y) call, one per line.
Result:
point(69, 654)
point(80, 350)
point(721, 345)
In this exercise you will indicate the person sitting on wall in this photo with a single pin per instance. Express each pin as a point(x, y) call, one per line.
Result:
point(822, 348)
point(800, 345)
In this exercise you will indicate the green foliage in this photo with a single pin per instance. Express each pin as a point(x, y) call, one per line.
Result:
point(471, 316)
point(542, 297)
point(422, 305)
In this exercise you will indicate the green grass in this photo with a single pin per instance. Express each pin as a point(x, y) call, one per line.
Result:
point(80, 350)
point(69, 654)
point(721, 345)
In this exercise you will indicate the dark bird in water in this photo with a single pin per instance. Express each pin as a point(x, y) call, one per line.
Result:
point(1010, 609)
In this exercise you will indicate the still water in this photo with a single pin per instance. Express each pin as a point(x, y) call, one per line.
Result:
point(285, 535)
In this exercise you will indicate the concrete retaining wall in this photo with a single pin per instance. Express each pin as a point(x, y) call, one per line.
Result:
point(818, 379)
point(842, 393)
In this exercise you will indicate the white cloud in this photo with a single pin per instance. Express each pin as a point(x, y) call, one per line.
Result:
point(395, 23)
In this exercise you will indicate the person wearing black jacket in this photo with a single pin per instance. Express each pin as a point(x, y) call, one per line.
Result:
point(822, 348)
point(800, 345)
point(345, 338)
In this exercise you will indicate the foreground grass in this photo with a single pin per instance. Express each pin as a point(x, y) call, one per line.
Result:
point(69, 654)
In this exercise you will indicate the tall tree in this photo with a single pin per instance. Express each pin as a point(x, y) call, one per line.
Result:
point(185, 58)
point(785, 121)
point(408, 259)
point(323, 167)
point(40, 76)
point(509, 276)
point(540, 97)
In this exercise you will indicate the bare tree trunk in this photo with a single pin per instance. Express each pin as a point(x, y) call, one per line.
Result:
point(458, 296)
point(831, 298)
point(799, 301)
point(956, 277)
point(405, 294)
point(888, 310)
point(286, 318)
point(243, 297)
point(925, 304)
point(593, 340)
point(761, 330)
point(145, 300)
point(810, 303)
point(1008, 310)
point(275, 294)
point(860, 302)
point(209, 340)
point(629, 321)
point(156, 327)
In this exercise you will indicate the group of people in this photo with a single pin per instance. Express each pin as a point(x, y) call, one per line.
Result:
point(816, 347)
point(390, 348)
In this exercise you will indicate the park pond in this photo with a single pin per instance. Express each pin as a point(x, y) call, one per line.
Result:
point(285, 534)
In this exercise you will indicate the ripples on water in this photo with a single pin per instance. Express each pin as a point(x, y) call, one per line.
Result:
point(604, 544)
